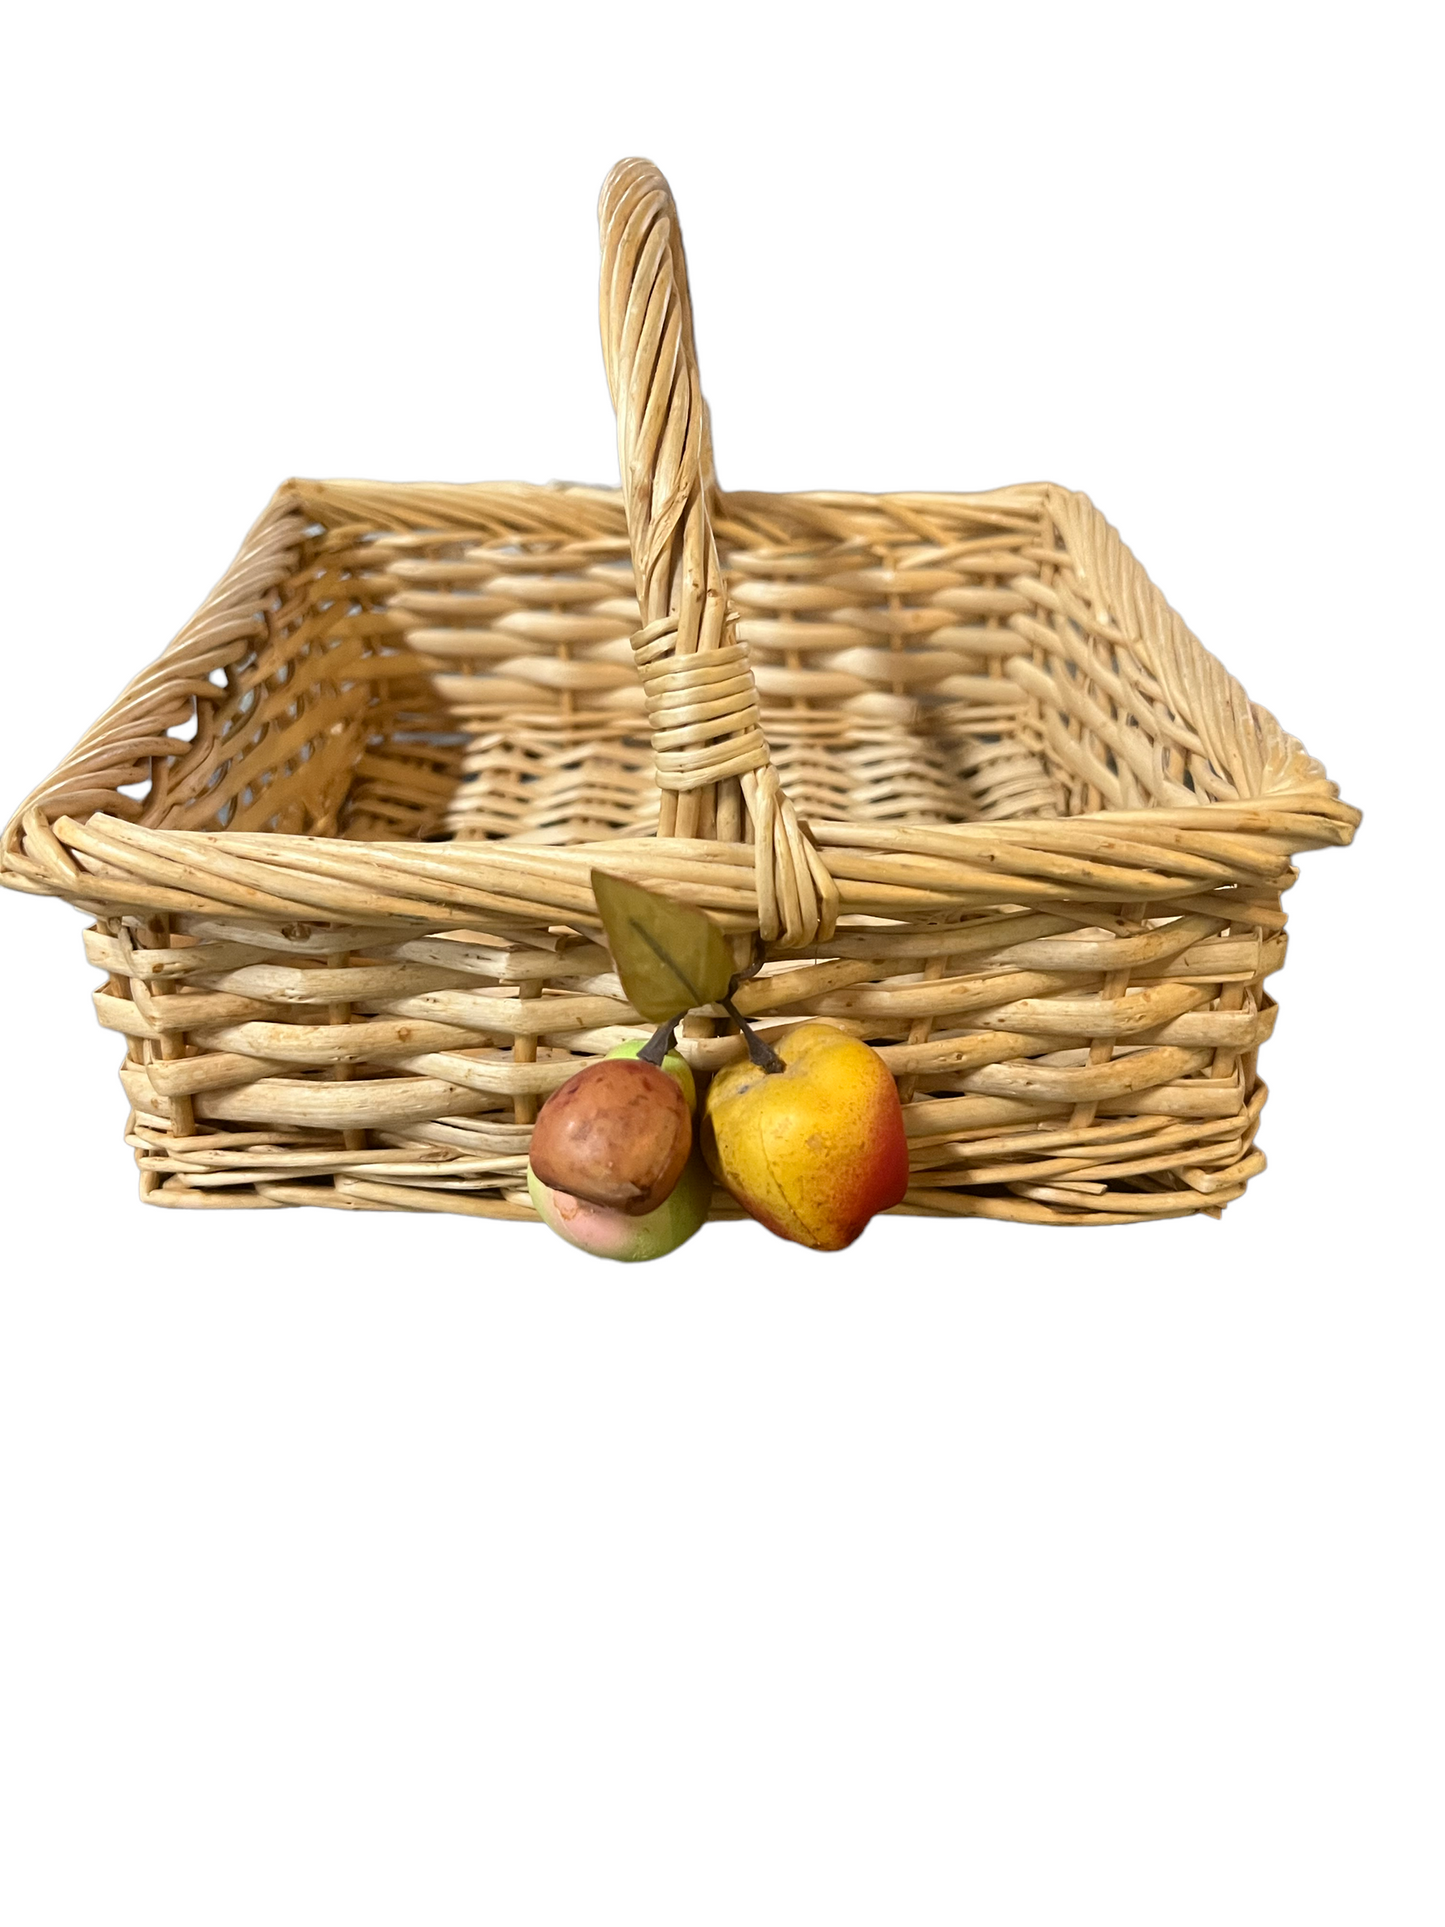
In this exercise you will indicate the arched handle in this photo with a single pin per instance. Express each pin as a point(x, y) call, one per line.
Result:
point(709, 751)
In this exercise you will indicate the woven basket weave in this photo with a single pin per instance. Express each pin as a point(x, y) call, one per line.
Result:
point(989, 803)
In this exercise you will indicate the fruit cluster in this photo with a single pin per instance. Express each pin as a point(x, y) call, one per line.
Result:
point(807, 1137)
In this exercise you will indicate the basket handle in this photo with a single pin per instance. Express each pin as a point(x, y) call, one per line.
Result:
point(710, 754)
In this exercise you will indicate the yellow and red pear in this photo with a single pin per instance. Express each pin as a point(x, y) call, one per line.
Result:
point(812, 1151)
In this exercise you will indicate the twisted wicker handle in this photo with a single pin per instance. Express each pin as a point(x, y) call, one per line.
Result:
point(709, 750)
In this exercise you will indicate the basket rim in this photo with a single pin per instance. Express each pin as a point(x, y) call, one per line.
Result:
point(204, 872)
point(1163, 857)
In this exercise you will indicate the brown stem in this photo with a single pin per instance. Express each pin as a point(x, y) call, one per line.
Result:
point(660, 1043)
point(763, 1055)
point(757, 958)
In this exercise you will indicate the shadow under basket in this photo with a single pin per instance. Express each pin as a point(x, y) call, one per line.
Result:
point(951, 759)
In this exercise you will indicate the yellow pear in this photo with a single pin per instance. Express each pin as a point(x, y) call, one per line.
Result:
point(814, 1150)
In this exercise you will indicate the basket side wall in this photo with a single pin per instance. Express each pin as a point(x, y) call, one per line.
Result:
point(1051, 1071)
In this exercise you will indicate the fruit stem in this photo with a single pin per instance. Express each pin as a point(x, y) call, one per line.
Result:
point(660, 1043)
point(756, 959)
point(763, 1055)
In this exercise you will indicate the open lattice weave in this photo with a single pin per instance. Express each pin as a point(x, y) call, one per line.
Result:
point(988, 802)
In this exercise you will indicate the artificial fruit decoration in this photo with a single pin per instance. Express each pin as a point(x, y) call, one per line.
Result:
point(610, 1168)
point(613, 1234)
point(673, 1063)
point(617, 1135)
point(809, 1138)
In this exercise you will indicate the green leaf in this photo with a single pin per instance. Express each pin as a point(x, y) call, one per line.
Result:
point(670, 958)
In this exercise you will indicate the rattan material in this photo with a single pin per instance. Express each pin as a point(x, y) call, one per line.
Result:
point(988, 801)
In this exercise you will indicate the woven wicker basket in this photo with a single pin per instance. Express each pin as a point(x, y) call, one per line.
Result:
point(989, 803)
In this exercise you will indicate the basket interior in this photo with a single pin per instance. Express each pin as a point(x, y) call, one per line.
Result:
point(457, 683)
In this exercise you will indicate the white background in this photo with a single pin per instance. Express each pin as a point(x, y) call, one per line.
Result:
point(409, 1570)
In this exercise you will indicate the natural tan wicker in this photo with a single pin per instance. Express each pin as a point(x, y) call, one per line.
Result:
point(988, 801)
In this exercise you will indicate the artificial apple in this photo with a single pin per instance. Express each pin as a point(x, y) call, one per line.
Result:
point(674, 1064)
point(617, 1134)
point(814, 1149)
point(613, 1234)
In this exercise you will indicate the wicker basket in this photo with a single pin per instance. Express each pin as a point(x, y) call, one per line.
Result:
point(989, 803)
